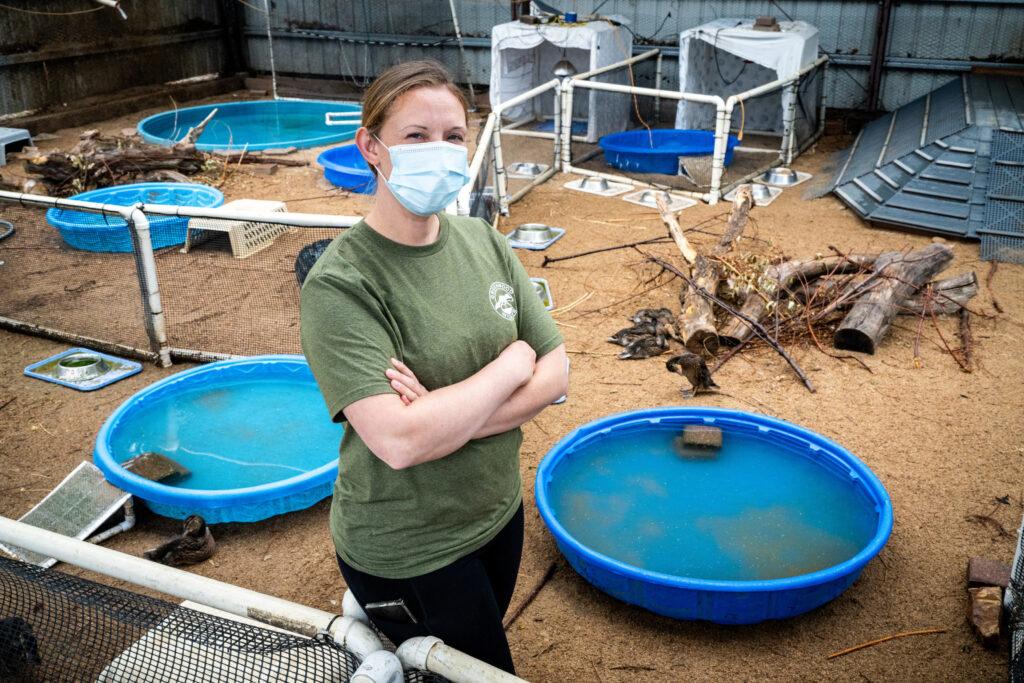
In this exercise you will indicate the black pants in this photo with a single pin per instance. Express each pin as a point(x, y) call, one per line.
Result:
point(462, 604)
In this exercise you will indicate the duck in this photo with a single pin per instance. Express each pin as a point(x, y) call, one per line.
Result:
point(662, 315)
point(645, 347)
point(19, 647)
point(193, 545)
point(695, 370)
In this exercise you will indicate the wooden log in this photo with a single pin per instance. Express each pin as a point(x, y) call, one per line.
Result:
point(899, 275)
point(947, 297)
point(685, 248)
point(697, 318)
point(784, 277)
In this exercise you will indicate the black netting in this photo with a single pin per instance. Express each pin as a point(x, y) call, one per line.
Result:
point(1015, 614)
point(56, 627)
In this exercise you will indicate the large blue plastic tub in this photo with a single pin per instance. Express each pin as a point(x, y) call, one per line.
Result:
point(721, 601)
point(658, 150)
point(345, 167)
point(254, 432)
point(265, 124)
point(98, 232)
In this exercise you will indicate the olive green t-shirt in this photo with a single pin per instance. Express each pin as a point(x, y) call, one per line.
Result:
point(446, 310)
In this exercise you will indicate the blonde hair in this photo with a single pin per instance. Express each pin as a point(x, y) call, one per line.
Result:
point(400, 79)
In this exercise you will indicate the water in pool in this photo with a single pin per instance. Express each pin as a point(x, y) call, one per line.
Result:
point(755, 511)
point(246, 434)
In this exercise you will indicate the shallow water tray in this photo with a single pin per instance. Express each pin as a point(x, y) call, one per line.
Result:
point(543, 290)
point(534, 236)
point(599, 186)
point(83, 369)
point(763, 194)
point(649, 198)
point(526, 169)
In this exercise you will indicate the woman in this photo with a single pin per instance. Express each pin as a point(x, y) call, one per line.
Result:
point(426, 336)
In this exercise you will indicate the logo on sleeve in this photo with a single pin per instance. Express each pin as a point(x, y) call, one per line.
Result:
point(503, 300)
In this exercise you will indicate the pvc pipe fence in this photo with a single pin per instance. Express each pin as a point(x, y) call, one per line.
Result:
point(135, 216)
point(429, 654)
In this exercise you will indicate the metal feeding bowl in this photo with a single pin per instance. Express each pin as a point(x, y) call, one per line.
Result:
point(761, 193)
point(650, 197)
point(781, 176)
point(534, 233)
point(81, 366)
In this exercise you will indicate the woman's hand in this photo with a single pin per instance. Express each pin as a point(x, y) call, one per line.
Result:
point(404, 381)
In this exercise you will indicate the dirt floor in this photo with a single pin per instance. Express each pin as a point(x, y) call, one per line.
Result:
point(942, 441)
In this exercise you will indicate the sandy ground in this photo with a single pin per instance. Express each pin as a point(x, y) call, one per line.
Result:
point(943, 442)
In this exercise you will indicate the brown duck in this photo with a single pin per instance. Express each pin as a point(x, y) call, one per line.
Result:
point(693, 368)
point(644, 347)
point(193, 545)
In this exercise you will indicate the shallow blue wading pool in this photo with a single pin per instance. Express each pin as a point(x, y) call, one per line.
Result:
point(254, 432)
point(266, 124)
point(778, 521)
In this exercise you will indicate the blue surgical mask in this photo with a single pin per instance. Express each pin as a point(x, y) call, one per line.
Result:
point(426, 176)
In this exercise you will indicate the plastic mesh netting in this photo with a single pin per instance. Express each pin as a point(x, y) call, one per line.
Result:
point(56, 627)
point(1015, 613)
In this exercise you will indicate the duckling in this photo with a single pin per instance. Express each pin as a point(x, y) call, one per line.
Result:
point(693, 368)
point(628, 334)
point(193, 545)
point(19, 647)
point(644, 347)
point(651, 315)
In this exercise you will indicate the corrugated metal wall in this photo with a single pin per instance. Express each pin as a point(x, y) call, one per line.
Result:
point(48, 60)
point(49, 57)
point(929, 40)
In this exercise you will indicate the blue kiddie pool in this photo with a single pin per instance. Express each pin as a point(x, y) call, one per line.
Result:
point(658, 150)
point(345, 167)
point(777, 521)
point(265, 124)
point(254, 432)
point(109, 233)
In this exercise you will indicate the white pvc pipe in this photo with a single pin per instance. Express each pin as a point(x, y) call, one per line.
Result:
point(298, 220)
point(616, 65)
point(155, 322)
point(113, 4)
point(128, 523)
point(775, 85)
point(289, 616)
point(528, 95)
point(657, 86)
point(428, 653)
point(636, 90)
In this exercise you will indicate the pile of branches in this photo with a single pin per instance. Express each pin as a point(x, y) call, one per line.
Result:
point(98, 160)
point(731, 298)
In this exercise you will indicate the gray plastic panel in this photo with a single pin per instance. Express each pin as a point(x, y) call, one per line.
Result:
point(948, 174)
point(946, 112)
point(1002, 248)
point(1006, 182)
point(932, 188)
point(906, 133)
point(1004, 217)
point(869, 146)
point(930, 205)
point(895, 173)
point(857, 199)
point(1007, 146)
point(914, 219)
point(951, 158)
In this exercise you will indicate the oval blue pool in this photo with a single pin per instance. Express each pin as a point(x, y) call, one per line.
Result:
point(254, 432)
point(107, 233)
point(658, 150)
point(264, 124)
point(777, 521)
point(345, 167)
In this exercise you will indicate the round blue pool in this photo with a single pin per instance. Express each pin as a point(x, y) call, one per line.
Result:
point(254, 432)
point(345, 167)
point(776, 522)
point(265, 124)
point(658, 150)
point(107, 233)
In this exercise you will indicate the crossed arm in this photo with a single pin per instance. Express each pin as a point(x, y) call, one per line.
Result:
point(414, 425)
